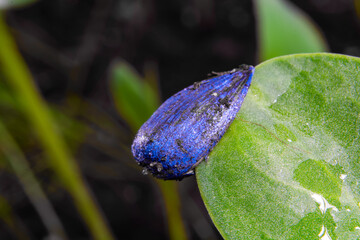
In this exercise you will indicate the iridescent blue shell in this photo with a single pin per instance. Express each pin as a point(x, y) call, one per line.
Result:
point(187, 126)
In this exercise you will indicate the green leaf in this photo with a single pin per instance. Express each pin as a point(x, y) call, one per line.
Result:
point(284, 29)
point(6, 4)
point(134, 98)
point(288, 167)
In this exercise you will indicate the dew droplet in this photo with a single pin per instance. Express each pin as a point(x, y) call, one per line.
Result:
point(145, 171)
point(159, 167)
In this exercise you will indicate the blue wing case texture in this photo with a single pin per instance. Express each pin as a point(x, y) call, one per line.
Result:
point(186, 127)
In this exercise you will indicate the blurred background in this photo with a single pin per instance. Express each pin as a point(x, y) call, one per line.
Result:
point(89, 73)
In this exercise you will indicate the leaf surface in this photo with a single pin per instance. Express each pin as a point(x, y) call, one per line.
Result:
point(288, 166)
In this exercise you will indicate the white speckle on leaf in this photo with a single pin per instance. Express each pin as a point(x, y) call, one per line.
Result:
point(343, 176)
point(324, 205)
point(324, 235)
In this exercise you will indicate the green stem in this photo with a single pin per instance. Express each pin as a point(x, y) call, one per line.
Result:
point(32, 188)
point(9, 218)
point(170, 193)
point(34, 107)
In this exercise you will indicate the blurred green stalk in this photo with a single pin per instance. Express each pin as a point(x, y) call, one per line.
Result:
point(8, 217)
point(136, 100)
point(32, 188)
point(170, 193)
point(34, 107)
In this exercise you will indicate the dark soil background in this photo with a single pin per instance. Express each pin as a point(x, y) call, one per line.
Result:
point(69, 46)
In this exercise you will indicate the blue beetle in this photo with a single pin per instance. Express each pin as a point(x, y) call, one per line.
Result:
point(187, 126)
